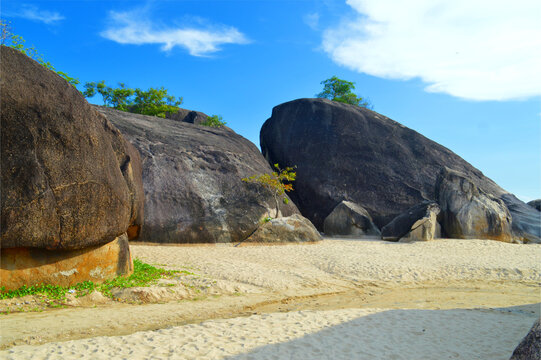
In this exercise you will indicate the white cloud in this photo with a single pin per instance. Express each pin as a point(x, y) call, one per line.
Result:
point(134, 28)
point(472, 49)
point(31, 12)
point(312, 20)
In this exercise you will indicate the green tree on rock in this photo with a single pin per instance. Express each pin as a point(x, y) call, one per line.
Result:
point(153, 102)
point(214, 121)
point(336, 89)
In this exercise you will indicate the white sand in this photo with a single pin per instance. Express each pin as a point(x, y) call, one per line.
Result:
point(333, 263)
point(337, 334)
point(261, 272)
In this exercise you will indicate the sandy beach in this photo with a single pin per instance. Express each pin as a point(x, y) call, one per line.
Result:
point(338, 299)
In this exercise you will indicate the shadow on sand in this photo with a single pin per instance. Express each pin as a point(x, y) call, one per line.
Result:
point(489, 334)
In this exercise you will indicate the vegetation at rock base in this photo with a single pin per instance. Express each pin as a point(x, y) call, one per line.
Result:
point(214, 121)
point(336, 89)
point(153, 102)
point(278, 182)
point(143, 275)
point(17, 42)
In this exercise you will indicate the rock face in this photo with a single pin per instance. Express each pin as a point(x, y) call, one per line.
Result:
point(349, 219)
point(192, 180)
point(526, 220)
point(530, 347)
point(69, 179)
point(535, 204)
point(344, 152)
point(470, 213)
point(294, 228)
point(418, 223)
point(32, 266)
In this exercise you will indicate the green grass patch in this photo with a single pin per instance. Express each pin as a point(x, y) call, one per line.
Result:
point(143, 275)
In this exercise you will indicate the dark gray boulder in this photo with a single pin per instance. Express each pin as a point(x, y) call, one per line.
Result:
point(418, 223)
point(192, 180)
point(69, 178)
point(470, 213)
point(535, 204)
point(188, 116)
point(294, 228)
point(191, 117)
point(345, 152)
point(349, 219)
point(530, 347)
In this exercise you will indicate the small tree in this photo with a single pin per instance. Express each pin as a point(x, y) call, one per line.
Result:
point(214, 121)
point(336, 89)
point(277, 182)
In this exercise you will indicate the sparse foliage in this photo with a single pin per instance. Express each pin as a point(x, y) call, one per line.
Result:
point(278, 182)
point(18, 43)
point(214, 121)
point(336, 89)
point(154, 102)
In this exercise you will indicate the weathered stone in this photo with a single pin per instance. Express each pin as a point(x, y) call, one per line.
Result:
point(192, 180)
point(347, 152)
point(470, 213)
point(150, 294)
point(526, 220)
point(418, 223)
point(536, 204)
point(92, 299)
point(69, 179)
point(294, 228)
point(530, 347)
point(32, 266)
point(349, 219)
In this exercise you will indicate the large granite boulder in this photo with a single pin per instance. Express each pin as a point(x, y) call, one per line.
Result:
point(349, 219)
point(294, 228)
point(346, 152)
point(418, 223)
point(70, 180)
point(535, 204)
point(192, 180)
point(530, 347)
point(470, 213)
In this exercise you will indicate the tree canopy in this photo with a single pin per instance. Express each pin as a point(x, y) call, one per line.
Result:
point(154, 102)
point(336, 89)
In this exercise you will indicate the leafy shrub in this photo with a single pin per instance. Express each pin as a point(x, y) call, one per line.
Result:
point(214, 121)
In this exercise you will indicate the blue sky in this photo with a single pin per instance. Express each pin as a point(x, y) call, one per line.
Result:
point(466, 74)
